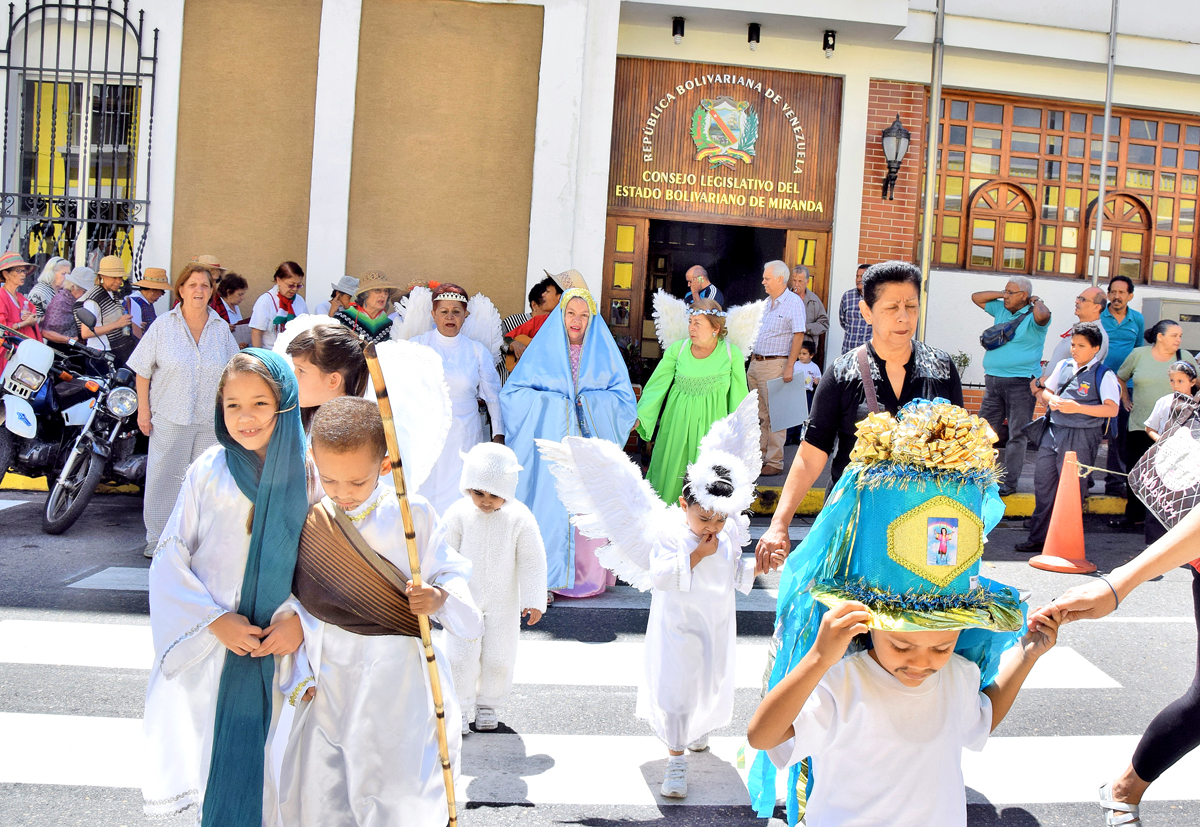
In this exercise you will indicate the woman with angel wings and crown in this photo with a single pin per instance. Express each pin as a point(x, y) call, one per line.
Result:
point(701, 378)
point(466, 334)
point(690, 555)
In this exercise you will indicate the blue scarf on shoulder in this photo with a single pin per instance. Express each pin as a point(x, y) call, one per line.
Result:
point(278, 489)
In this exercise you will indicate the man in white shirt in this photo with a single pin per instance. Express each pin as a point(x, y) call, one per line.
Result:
point(1088, 306)
point(775, 353)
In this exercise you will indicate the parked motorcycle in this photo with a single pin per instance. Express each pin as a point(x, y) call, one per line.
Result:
point(45, 403)
point(107, 446)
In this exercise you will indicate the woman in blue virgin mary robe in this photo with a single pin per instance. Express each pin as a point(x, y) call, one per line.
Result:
point(571, 381)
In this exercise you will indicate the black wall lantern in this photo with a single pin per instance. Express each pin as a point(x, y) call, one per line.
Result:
point(895, 141)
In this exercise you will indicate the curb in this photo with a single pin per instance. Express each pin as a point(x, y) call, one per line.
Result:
point(1015, 505)
point(16, 482)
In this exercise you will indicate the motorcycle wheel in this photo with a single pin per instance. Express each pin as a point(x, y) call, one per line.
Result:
point(8, 451)
point(70, 493)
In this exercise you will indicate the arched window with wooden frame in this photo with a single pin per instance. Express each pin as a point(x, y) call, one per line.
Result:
point(1000, 227)
point(1125, 240)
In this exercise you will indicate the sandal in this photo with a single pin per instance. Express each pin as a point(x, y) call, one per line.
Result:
point(1117, 813)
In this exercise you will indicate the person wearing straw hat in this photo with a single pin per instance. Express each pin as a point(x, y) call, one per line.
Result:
point(894, 653)
point(60, 325)
point(214, 264)
point(16, 310)
point(367, 316)
point(152, 285)
point(112, 331)
point(342, 296)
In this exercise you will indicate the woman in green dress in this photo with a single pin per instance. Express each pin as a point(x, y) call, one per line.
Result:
point(700, 379)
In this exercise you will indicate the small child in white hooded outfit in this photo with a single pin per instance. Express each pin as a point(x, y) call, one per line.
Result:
point(500, 537)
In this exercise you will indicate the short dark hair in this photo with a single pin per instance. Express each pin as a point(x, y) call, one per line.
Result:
point(1089, 332)
point(538, 291)
point(861, 267)
point(349, 423)
point(230, 284)
point(809, 345)
point(1128, 281)
point(288, 270)
point(1160, 327)
point(888, 272)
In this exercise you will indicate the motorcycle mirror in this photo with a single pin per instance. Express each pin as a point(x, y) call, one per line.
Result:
point(86, 316)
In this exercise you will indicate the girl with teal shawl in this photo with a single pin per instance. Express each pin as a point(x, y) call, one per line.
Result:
point(560, 390)
point(220, 600)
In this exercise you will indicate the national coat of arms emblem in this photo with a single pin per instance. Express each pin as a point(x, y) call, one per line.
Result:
point(724, 131)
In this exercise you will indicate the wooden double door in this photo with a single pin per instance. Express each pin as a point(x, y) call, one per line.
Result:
point(625, 301)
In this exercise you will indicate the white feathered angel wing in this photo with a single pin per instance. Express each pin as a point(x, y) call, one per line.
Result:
point(737, 434)
point(417, 310)
point(294, 328)
point(420, 400)
point(670, 319)
point(483, 324)
point(742, 323)
point(608, 500)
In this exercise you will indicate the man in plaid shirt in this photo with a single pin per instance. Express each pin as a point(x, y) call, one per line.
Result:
point(775, 353)
point(858, 332)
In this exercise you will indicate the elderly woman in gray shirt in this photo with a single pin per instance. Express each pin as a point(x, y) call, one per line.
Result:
point(178, 363)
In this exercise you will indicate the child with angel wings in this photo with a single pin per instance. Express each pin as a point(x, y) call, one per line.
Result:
point(690, 555)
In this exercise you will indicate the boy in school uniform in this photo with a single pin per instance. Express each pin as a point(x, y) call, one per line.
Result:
point(937, 653)
point(364, 748)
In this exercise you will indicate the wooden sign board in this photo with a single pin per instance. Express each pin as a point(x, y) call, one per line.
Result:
point(725, 144)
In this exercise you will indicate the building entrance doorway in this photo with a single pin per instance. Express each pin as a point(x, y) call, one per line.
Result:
point(644, 255)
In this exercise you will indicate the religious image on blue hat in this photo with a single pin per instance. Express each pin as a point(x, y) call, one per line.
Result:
point(902, 532)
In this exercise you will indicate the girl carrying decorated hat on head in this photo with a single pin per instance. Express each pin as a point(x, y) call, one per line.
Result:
point(221, 614)
point(937, 654)
point(690, 555)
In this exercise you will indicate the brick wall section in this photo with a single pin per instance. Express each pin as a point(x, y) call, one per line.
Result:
point(889, 228)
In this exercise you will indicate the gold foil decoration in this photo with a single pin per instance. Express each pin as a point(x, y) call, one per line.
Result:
point(938, 436)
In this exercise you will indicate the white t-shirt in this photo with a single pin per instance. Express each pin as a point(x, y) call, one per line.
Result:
point(323, 308)
point(1157, 420)
point(810, 372)
point(885, 754)
point(266, 309)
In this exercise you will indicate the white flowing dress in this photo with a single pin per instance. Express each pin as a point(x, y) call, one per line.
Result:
point(195, 578)
point(691, 636)
point(364, 751)
point(470, 375)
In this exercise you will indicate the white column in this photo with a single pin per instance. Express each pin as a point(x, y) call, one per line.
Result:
point(159, 186)
point(333, 146)
point(572, 139)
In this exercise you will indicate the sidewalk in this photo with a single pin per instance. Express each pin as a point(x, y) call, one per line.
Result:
point(1019, 504)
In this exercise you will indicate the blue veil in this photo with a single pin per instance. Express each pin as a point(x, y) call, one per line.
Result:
point(539, 401)
point(278, 488)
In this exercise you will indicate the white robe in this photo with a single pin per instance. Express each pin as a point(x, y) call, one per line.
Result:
point(470, 375)
point(364, 751)
point(195, 578)
point(508, 574)
point(691, 636)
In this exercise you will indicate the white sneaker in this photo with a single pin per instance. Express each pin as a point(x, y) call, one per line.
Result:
point(485, 718)
point(675, 783)
point(466, 730)
point(700, 744)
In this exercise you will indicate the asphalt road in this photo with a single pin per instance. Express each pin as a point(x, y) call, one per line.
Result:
point(570, 750)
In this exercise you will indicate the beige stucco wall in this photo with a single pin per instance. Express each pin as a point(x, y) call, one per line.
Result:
point(244, 162)
point(443, 143)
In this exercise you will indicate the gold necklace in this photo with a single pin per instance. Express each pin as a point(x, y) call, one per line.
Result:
point(358, 518)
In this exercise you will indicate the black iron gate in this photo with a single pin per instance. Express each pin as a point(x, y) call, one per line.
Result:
point(79, 103)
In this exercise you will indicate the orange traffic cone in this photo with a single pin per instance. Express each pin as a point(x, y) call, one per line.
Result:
point(1064, 549)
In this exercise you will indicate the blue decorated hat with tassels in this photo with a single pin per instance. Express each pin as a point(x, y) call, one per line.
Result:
point(902, 532)
point(925, 496)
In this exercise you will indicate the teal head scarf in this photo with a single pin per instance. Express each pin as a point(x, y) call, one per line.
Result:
point(278, 489)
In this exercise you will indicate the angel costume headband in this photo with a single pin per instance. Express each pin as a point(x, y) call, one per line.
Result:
point(720, 313)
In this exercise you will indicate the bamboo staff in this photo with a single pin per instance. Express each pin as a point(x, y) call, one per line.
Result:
point(414, 565)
